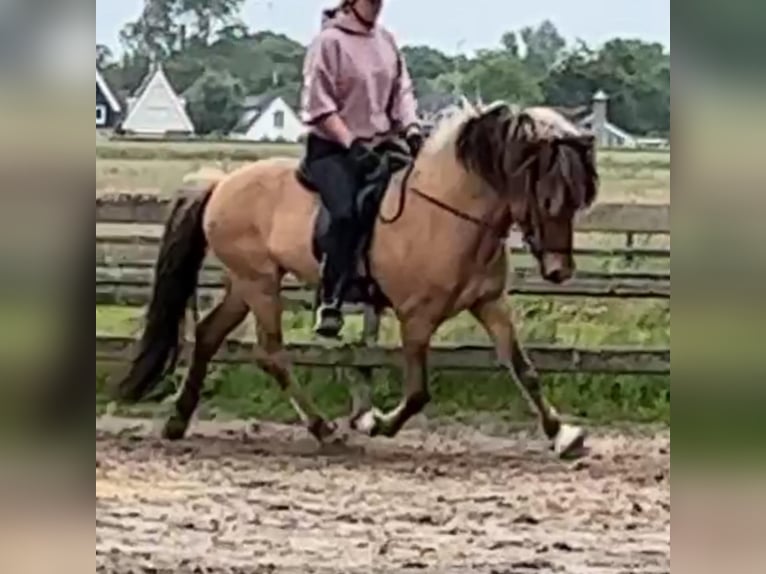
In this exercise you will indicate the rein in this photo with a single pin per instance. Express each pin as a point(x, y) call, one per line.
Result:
point(479, 222)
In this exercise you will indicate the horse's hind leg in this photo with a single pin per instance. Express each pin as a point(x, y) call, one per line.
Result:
point(567, 439)
point(209, 336)
point(264, 300)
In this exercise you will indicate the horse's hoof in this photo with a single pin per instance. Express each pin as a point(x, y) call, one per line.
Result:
point(174, 429)
point(368, 423)
point(325, 432)
point(570, 442)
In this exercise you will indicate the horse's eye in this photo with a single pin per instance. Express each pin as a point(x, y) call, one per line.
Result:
point(548, 205)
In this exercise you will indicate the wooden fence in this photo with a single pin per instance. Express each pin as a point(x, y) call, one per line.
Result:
point(605, 218)
point(124, 263)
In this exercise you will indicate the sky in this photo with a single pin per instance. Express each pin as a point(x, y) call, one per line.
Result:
point(448, 25)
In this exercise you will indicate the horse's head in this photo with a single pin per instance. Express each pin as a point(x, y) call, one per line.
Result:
point(545, 168)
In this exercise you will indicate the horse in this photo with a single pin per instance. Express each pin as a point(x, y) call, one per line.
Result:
point(438, 248)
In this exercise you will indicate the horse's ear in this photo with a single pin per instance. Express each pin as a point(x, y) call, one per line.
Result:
point(468, 106)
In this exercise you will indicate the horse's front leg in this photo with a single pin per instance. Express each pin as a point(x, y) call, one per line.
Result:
point(415, 339)
point(567, 439)
point(361, 390)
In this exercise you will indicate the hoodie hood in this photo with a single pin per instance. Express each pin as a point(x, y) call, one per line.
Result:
point(344, 20)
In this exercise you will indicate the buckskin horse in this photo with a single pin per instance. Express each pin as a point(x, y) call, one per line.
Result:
point(438, 248)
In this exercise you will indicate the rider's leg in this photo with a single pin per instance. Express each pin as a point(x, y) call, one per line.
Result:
point(334, 175)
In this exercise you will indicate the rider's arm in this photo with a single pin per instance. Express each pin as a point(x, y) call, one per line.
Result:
point(404, 107)
point(335, 127)
point(321, 75)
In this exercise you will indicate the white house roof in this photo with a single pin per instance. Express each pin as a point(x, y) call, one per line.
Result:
point(610, 127)
point(108, 94)
point(254, 108)
point(157, 83)
point(600, 96)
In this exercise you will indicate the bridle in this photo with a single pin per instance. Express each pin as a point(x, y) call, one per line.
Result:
point(533, 229)
point(483, 222)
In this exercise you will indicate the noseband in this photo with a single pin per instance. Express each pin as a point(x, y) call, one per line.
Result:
point(533, 228)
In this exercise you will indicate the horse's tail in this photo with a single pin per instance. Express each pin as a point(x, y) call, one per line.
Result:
point(182, 252)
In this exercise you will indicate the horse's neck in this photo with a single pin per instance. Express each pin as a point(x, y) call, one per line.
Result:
point(440, 176)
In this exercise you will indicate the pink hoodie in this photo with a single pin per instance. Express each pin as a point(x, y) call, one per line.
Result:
point(360, 74)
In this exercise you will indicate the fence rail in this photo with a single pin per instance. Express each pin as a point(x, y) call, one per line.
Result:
point(133, 285)
point(604, 218)
point(149, 243)
point(547, 358)
point(124, 276)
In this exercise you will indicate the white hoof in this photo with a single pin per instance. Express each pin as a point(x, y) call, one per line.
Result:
point(570, 441)
point(367, 423)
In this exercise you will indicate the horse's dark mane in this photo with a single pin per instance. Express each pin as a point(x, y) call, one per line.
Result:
point(498, 145)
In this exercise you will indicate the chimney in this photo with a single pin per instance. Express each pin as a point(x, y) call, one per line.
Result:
point(600, 103)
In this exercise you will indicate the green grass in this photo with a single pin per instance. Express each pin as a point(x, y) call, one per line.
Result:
point(576, 321)
point(489, 398)
point(245, 392)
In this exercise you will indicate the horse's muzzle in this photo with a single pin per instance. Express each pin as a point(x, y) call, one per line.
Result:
point(557, 268)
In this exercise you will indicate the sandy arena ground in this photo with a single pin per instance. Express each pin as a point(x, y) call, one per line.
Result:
point(238, 498)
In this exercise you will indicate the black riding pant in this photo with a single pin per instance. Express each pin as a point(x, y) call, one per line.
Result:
point(337, 180)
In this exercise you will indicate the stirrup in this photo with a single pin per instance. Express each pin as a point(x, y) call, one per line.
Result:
point(329, 321)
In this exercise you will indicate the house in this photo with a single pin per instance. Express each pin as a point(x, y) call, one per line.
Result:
point(610, 135)
point(268, 118)
point(108, 107)
point(155, 109)
point(654, 143)
point(607, 134)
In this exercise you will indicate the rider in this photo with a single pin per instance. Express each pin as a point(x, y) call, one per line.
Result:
point(357, 93)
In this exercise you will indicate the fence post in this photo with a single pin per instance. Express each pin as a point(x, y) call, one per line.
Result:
point(630, 242)
point(370, 326)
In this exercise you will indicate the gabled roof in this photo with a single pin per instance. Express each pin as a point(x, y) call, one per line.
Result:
point(157, 76)
point(102, 85)
point(610, 127)
point(261, 101)
point(253, 108)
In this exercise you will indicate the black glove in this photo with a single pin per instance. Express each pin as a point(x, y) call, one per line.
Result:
point(415, 142)
point(366, 160)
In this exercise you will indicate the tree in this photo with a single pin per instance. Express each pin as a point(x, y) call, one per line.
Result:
point(104, 56)
point(510, 42)
point(155, 33)
point(215, 102)
point(635, 75)
point(543, 47)
point(209, 15)
point(425, 62)
point(498, 75)
point(168, 26)
point(530, 66)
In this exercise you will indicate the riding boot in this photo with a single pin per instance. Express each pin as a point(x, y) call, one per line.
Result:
point(337, 266)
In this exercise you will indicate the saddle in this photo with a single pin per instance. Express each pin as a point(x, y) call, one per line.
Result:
point(363, 288)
